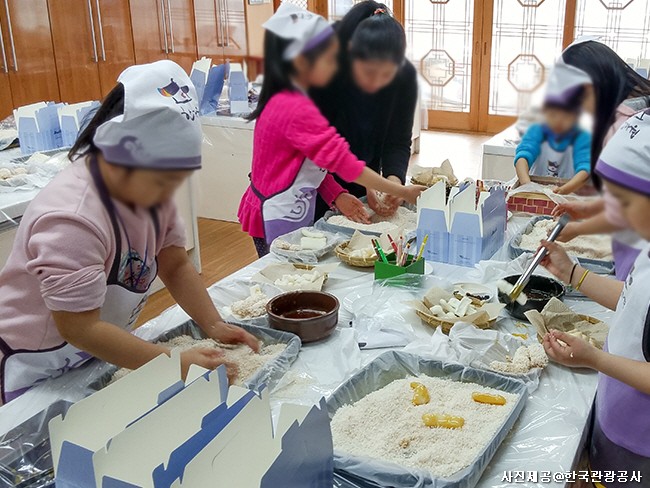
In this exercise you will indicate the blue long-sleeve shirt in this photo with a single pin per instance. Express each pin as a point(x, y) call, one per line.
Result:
point(530, 146)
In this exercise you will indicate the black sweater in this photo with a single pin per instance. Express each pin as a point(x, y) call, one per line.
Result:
point(378, 127)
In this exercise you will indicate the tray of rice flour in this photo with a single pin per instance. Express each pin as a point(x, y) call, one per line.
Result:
point(405, 421)
point(306, 245)
point(404, 221)
point(593, 252)
point(278, 351)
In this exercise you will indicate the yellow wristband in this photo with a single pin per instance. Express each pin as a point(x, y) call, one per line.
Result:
point(582, 280)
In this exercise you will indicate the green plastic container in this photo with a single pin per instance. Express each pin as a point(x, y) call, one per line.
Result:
point(385, 271)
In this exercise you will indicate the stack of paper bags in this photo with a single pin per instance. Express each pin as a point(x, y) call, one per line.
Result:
point(150, 429)
point(461, 230)
point(38, 127)
point(72, 118)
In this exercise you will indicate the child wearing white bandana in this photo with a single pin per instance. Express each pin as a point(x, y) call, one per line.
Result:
point(295, 149)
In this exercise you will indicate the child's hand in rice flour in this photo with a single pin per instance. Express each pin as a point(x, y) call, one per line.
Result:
point(208, 359)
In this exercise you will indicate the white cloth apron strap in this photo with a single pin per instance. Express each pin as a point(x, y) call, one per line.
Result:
point(554, 163)
point(23, 369)
point(294, 207)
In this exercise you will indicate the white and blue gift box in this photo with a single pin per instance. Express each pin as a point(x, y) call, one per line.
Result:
point(238, 90)
point(462, 230)
point(38, 127)
point(151, 429)
point(72, 118)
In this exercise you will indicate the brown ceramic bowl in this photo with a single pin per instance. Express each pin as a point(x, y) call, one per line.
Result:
point(311, 315)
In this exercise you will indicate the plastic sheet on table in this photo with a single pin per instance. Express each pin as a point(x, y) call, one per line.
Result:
point(594, 265)
point(39, 169)
point(269, 374)
point(225, 293)
point(476, 348)
point(305, 256)
point(392, 366)
point(7, 138)
point(25, 455)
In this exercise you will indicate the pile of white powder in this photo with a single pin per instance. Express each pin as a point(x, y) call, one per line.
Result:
point(403, 219)
point(386, 426)
point(246, 360)
point(590, 247)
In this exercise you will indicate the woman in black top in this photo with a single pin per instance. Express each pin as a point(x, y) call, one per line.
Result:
point(372, 100)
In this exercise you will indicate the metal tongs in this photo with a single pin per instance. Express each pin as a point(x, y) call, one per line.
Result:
point(539, 256)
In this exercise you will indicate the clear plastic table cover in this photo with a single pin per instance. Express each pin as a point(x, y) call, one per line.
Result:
point(547, 437)
point(394, 365)
point(306, 256)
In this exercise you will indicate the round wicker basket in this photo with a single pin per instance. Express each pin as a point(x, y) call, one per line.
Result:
point(344, 256)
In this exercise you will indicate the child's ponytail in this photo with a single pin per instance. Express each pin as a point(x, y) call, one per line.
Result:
point(111, 107)
point(277, 71)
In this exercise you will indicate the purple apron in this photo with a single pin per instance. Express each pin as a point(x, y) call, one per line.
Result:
point(626, 246)
point(294, 207)
point(623, 412)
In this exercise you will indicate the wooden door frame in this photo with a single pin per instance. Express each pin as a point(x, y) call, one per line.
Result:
point(464, 121)
point(317, 6)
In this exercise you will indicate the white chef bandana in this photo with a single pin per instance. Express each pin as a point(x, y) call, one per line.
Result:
point(565, 80)
point(160, 128)
point(625, 160)
point(304, 28)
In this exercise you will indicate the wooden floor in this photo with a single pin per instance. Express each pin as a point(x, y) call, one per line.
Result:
point(226, 249)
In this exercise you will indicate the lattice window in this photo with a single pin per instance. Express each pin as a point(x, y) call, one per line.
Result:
point(440, 38)
point(526, 39)
point(338, 8)
point(299, 3)
point(623, 24)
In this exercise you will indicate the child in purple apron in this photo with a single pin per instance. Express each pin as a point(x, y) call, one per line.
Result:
point(620, 439)
point(608, 83)
point(294, 147)
point(91, 243)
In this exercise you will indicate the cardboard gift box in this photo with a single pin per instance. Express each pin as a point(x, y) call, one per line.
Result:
point(464, 228)
point(38, 127)
point(238, 90)
point(151, 429)
point(72, 118)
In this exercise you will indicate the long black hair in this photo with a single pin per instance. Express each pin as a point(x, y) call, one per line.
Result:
point(369, 32)
point(112, 106)
point(613, 81)
point(278, 71)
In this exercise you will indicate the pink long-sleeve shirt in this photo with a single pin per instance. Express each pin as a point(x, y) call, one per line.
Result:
point(290, 129)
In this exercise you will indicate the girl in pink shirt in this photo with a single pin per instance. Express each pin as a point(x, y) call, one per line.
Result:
point(294, 146)
point(92, 242)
